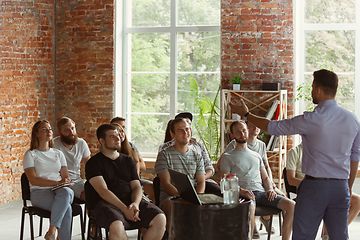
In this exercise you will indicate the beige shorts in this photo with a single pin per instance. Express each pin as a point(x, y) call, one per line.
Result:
point(78, 187)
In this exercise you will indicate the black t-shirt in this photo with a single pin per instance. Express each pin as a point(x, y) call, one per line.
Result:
point(117, 174)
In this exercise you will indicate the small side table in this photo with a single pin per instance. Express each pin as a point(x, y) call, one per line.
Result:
point(209, 222)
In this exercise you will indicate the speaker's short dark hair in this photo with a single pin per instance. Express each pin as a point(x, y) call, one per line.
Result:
point(327, 81)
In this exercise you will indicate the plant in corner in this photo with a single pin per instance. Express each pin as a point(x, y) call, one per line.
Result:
point(207, 122)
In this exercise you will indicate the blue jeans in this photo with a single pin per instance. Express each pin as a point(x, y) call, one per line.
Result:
point(321, 199)
point(59, 203)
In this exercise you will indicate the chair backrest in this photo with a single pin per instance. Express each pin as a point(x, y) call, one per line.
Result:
point(25, 188)
point(156, 185)
point(289, 188)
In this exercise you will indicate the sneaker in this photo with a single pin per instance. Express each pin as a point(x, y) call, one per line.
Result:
point(266, 224)
point(256, 234)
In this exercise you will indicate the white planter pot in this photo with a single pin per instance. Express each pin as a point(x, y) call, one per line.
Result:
point(235, 116)
point(236, 87)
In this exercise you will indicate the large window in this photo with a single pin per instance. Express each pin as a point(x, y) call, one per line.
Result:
point(161, 45)
point(328, 36)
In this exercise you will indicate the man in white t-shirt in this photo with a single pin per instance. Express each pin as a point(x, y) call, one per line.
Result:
point(76, 152)
point(253, 179)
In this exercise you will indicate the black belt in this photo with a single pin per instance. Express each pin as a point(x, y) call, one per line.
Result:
point(319, 178)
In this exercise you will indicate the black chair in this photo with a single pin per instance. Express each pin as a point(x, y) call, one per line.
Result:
point(79, 201)
point(90, 204)
point(289, 188)
point(156, 185)
point(269, 211)
point(42, 213)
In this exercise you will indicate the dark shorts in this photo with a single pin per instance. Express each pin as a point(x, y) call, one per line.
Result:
point(260, 198)
point(106, 214)
point(143, 182)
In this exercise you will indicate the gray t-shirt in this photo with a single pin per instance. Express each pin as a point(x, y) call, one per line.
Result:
point(257, 146)
point(190, 163)
point(246, 165)
point(199, 147)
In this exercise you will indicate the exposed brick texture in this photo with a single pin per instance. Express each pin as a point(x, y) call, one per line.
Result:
point(84, 64)
point(57, 59)
point(26, 83)
point(257, 43)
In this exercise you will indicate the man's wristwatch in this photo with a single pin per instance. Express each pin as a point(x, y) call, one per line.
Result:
point(246, 114)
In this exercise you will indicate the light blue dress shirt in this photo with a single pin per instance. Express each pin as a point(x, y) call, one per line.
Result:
point(330, 136)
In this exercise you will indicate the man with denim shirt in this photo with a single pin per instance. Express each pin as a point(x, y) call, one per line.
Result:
point(331, 154)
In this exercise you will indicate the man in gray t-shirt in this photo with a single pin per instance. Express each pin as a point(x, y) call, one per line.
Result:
point(254, 181)
point(180, 157)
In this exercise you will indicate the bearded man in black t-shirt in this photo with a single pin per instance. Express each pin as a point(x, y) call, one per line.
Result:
point(117, 199)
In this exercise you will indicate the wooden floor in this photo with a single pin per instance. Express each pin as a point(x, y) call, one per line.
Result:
point(10, 217)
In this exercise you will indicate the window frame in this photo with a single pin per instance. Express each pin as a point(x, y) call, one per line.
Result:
point(122, 71)
point(301, 27)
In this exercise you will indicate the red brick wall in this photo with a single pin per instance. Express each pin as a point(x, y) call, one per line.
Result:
point(26, 83)
point(257, 43)
point(84, 64)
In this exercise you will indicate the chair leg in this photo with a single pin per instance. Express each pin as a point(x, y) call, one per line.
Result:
point(22, 224)
point(31, 226)
point(84, 217)
point(89, 229)
point(139, 234)
point(270, 224)
point(40, 227)
point(82, 226)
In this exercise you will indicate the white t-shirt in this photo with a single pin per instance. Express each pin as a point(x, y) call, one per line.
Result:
point(74, 156)
point(47, 164)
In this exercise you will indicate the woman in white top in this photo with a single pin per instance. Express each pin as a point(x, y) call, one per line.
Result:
point(45, 168)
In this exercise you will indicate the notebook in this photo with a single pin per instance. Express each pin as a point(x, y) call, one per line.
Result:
point(187, 191)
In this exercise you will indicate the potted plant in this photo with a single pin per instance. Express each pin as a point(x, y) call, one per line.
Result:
point(236, 81)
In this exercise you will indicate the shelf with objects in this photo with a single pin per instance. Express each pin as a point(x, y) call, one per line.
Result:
point(269, 104)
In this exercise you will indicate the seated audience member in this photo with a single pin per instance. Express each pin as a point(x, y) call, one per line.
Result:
point(45, 167)
point(128, 150)
point(295, 177)
point(114, 177)
point(168, 137)
point(182, 158)
point(140, 164)
point(121, 122)
point(254, 181)
point(256, 145)
point(210, 185)
point(76, 152)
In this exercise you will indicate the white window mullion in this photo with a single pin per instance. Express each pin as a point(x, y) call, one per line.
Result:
point(173, 61)
point(357, 61)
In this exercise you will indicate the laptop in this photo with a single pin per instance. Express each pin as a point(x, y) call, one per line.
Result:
point(187, 191)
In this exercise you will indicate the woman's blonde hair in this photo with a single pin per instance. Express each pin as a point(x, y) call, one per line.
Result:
point(34, 144)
